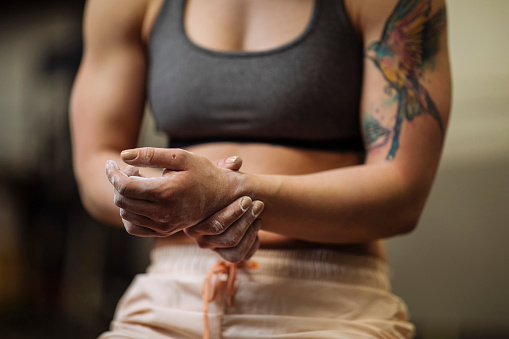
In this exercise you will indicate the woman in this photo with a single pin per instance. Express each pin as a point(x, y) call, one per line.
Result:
point(336, 110)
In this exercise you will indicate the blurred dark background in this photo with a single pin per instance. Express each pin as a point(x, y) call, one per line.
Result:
point(61, 272)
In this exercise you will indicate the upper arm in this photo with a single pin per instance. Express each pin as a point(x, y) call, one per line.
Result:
point(109, 91)
point(406, 88)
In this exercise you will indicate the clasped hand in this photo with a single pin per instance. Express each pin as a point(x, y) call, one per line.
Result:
point(203, 199)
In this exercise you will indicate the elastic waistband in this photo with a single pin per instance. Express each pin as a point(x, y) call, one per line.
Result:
point(279, 265)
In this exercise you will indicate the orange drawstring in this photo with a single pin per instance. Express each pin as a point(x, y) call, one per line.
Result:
point(221, 267)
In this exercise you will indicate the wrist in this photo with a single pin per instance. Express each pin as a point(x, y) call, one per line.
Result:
point(261, 187)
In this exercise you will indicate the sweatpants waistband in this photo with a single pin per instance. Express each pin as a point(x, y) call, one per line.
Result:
point(279, 265)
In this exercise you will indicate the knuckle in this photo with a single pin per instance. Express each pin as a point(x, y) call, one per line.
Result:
point(168, 228)
point(179, 154)
point(229, 241)
point(202, 243)
point(149, 154)
point(217, 226)
point(118, 201)
point(163, 218)
point(235, 257)
point(191, 232)
point(178, 223)
point(130, 228)
point(164, 195)
point(122, 188)
point(124, 214)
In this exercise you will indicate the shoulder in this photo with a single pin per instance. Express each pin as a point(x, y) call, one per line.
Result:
point(370, 17)
point(107, 23)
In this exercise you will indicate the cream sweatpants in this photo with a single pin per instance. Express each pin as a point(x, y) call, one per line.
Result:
point(293, 294)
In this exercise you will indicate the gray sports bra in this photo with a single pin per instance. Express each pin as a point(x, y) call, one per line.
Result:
point(305, 93)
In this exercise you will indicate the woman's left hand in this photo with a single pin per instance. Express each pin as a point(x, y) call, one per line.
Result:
point(231, 232)
point(190, 190)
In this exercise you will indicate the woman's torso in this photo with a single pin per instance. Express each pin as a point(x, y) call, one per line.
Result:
point(230, 25)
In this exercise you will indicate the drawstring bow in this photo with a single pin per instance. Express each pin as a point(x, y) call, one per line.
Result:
point(210, 286)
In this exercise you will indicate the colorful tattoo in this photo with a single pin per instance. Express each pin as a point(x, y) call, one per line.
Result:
point(375, 134)
point(407, 47)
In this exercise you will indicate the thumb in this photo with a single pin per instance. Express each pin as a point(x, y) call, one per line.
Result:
point(232, 163)
point(169, 158)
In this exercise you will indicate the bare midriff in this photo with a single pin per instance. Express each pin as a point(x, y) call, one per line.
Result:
point(233, 25)
point(281, 160)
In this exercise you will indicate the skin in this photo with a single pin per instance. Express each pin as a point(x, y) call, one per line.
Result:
point(232, 232)
point(311, 198)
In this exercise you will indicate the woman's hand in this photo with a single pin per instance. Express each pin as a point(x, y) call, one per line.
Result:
point(231, 232)
point(190, 190)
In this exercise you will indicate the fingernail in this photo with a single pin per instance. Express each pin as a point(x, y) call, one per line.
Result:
point(129, 154)
point(245, 203)
point(231, 160)
point(258, 208)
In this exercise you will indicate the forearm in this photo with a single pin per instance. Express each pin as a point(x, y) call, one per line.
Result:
point(348, 205)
